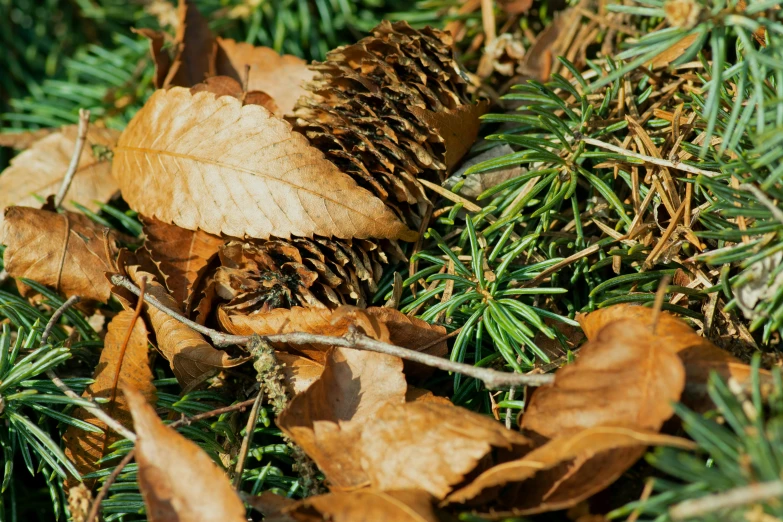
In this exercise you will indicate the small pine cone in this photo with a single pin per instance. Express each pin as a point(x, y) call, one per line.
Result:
point(365, 112)
point(318, 273)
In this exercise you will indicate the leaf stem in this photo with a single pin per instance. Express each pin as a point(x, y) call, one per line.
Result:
point(81, 139)
point(249, 429)
point(492, 379)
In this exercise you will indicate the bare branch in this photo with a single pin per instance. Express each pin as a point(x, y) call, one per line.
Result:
point(732, 498)
point(492, 379)
point(104, 492)
point(650, 159)
point(249, 429)
point(56, 317)
point(81, 139)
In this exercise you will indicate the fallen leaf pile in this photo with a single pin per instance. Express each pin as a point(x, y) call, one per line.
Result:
point(272, 195)
point(388, 453)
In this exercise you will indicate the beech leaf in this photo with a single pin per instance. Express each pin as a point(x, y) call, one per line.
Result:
point(353, 386)
point(564, 471)
point(281, 77)
point(179, 482)
point(68, 251)
point(624, 376)
point(698, 355)
point(181, 255)
point(119, 365)
point(429, 445)
point(191, 357)
point(363, 505)
point(254, 177)
point(39, 171)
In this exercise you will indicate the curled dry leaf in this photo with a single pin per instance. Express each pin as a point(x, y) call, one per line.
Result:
point(699, 356)
point(428, 445)
point(195, 48)
point(329, 417)
point(457, 128)
point(121, 364)
point(254, 178)
point(226, 86)
point(39, 171)
point(624, 376)
point(401, 330)
point(281, 77)
point(68, 251)
point(191, 357)
point(564, 471)
point(365, 505)
point(179, 482)
point(181, 255)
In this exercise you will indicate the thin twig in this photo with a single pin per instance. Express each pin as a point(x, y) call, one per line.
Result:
point(565, 262)
point(492, 379)
point(81, 139)
point(218, 338)
point(56, 317)
point(186, 421)
point(104, 492)
point(93, 408)
point(249, 429)
point(753, 189)
point(741, 496)
point(650, 159)
point(511, 394)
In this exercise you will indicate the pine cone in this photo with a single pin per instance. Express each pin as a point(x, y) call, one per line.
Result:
point(320, 273)
point(366, 112)
point(370, 110)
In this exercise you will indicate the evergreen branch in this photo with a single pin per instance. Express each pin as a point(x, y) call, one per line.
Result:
point(92, 407)
point(493, 379)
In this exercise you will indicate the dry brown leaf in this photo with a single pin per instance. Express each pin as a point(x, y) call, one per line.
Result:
point(179, 482)
point(226, 86)
point(196, 48)
point(119, 365)
point(181, 255)
point(624, 376)
point(24, 140)
point(408, 332)
point(40, 171)
point(457, 127)
point(281, 77)
point(253, 178)
point(353, 387)
point(299, 372)
point(429, 446)
point(191, 357)
point(515, 7)
point(68, 252)
point(565, 471)
point(160, 56)
point(699, 356)
point(364, 505)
